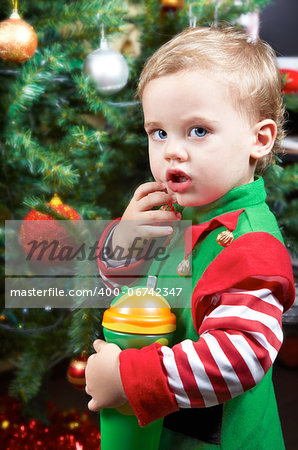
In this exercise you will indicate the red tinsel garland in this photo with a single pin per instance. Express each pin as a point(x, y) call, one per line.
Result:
point(67, 429)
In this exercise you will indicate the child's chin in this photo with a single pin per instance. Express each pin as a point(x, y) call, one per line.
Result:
point(182, 200)
point(182, 203)
point(187, 203)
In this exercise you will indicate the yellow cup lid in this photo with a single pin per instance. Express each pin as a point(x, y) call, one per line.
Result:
point(140, 314)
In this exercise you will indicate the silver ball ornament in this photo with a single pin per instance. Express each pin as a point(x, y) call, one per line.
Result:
point(107, 68)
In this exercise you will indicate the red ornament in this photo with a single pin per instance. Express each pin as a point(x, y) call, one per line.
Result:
point(291, 80)
point(18, 40)
point(42, 233)
point(76, 372)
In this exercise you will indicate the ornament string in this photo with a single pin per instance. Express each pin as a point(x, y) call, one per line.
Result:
point(216, 13)
point(192, 17)
point(14, 4)
point(102, 33)
point(216, 9)
point(103, 41)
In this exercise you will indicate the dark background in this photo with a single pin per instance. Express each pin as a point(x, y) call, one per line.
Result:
point(279, 26)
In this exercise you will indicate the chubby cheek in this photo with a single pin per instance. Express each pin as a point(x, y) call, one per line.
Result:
point(155, 167)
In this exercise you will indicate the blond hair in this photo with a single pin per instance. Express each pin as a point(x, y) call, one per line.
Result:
point(249, 69)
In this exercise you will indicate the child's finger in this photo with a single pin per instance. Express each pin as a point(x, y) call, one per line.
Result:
point(93, 405)
point(156, 216)
point(147, 188)
point(156, 198)
point(98, 344)
point(149, 231)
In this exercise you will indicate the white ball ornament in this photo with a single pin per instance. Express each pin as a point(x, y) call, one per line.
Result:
point(107, 68)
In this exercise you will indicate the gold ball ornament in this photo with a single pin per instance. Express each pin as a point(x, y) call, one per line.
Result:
point(172, 3)
point(18, 40)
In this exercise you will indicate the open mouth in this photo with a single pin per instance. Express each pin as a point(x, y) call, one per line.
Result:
point(177, 180)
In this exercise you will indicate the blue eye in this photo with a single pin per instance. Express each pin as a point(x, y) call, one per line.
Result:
point(198, 132)
point(159, 135)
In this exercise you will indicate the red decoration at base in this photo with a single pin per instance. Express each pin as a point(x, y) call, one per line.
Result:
point(66, 430)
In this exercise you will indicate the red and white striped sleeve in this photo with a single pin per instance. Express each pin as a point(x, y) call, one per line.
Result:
point(239, 339)
point(237, 308)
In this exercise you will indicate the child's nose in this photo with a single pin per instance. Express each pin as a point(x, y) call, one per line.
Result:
point(175, 150)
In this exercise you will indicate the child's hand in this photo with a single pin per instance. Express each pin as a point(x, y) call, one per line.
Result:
point(144, 222)
point(103, 381)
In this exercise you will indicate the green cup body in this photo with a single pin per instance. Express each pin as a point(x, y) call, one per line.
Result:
point(120, 431)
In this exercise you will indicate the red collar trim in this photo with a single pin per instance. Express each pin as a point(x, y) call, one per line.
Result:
point(192, 234)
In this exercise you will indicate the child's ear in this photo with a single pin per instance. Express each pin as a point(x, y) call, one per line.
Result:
point(265, 134)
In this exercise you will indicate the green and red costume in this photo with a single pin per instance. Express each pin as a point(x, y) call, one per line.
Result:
point(214, 387)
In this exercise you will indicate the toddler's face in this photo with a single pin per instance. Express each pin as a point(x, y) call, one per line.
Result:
point(198, 143)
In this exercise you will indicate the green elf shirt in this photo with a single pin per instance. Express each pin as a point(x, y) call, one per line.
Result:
point(214, 386)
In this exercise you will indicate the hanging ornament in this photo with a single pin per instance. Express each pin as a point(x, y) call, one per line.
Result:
point(191, 17)
point(171, 5)
point(18, 40)
point(288, 67)
point(47, 229)
point(290, 79)
point(251, 23)
point(107, 68)
point(76, 372)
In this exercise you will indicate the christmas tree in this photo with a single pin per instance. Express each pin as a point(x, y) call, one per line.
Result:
point(65, 130)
